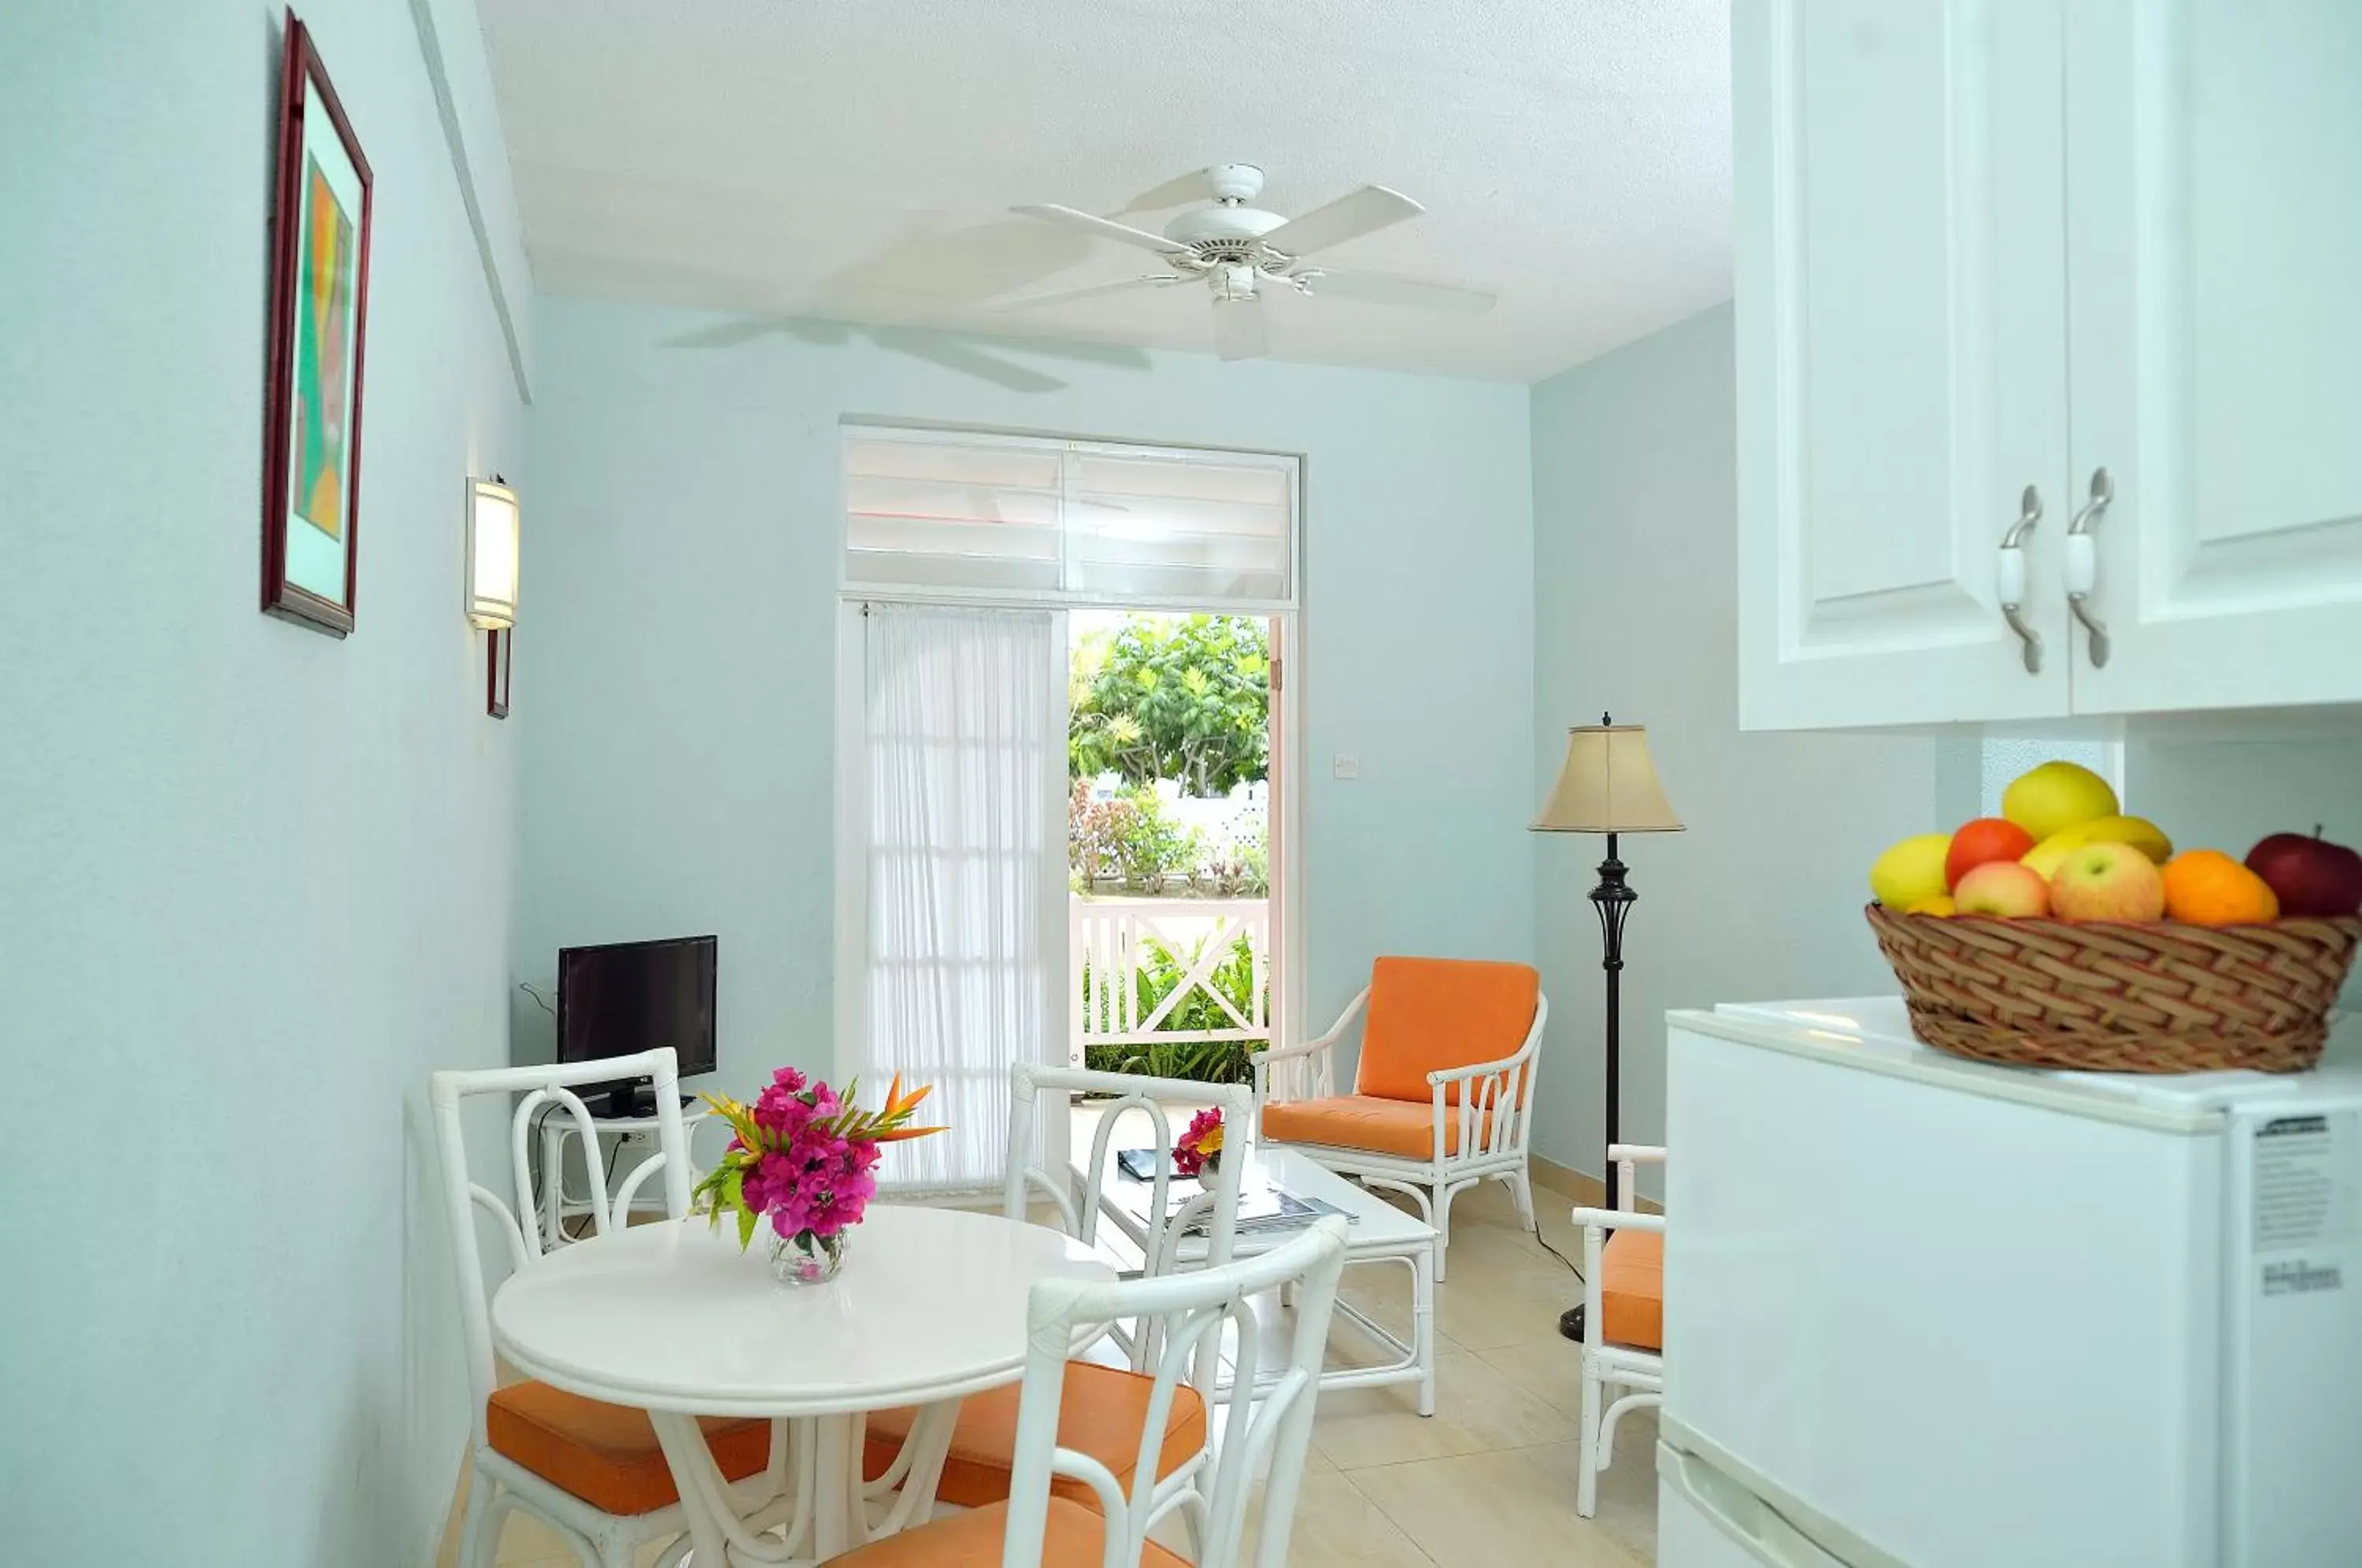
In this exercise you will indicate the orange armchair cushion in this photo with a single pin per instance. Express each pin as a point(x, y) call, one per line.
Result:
point(607, 1455)
point(1366, 1123)
point(1632, 1289)
point(1432, 1015)
point(1075, 1538)
point(1102, 1414)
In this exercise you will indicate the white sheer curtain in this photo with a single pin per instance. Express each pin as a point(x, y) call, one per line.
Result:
point(965, 742)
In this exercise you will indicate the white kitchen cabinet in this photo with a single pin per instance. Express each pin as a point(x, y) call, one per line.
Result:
point(1987, 244)
point(1902, 357)
point(2215, 262)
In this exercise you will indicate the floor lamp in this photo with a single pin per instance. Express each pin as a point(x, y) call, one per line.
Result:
point(1608, 785)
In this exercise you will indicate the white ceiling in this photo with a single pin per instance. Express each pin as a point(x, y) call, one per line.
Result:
point(856, 159)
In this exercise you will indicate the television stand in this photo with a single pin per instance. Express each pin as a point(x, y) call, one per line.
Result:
point(629, 1103)
point(635, 1131)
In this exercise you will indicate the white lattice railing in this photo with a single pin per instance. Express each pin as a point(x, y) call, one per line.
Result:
point(1109, 946)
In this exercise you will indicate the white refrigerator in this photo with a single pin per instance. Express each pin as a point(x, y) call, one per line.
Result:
point(1925, 1311)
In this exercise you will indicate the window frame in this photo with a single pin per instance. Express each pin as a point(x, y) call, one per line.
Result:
point(1068, 448)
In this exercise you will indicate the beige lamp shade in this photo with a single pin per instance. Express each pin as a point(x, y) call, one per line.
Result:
point(1608, 785)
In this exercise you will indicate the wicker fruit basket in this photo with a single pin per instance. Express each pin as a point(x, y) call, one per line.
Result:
point(2118, 998)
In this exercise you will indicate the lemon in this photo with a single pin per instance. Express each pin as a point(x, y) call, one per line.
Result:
point(1911, 871)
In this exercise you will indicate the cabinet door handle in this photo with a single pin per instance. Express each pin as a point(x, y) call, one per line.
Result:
point(2013, 578)
point(2083, 564)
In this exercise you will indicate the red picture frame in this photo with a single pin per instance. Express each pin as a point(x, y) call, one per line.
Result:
point(305, 96)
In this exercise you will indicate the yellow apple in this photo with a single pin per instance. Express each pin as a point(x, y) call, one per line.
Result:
point(1911, 871)
point(2107, 881)
point(2045, 858)
point(2057, 796)
point(1940, 908)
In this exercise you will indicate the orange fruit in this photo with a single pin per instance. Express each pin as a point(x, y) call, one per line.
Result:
point(2206, 886)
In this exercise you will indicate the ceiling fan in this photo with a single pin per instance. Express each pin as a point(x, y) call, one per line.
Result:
point(1240, 253)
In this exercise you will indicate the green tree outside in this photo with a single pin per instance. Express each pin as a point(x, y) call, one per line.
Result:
point(1187, 699)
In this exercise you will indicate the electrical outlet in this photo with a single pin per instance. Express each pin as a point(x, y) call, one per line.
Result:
point(1347, 767)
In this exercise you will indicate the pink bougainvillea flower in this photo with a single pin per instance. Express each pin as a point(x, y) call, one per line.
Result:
point(805, 1156)
point(1201, 1141)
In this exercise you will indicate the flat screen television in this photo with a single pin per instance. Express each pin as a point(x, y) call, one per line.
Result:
point(636, 996)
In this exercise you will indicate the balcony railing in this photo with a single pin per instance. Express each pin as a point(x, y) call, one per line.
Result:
point(1113, 943)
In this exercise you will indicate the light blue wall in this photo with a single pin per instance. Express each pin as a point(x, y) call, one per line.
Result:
point(676, 665)
point(254, 882)
point(1635, 608)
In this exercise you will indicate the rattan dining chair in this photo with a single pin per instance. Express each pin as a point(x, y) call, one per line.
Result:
point(1623, 1319)
point(1040, 1525)
point(1104, 1405)
point(591, 1471)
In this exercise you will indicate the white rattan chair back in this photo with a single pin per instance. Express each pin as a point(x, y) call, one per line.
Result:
point(519, 1218)
point(1265, 1436)
point(1209, 1211)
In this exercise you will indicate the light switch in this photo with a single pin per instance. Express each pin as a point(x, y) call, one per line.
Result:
point(1347, 767)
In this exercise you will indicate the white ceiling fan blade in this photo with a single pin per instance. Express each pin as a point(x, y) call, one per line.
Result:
point(1066, 296)
point(1106, 228)
point(1239, 329)
point(1406, 293)
point(1367, 210)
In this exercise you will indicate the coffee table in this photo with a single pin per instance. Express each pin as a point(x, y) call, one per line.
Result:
point(1380, 1233)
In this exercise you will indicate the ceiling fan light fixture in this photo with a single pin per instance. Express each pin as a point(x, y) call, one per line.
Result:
point(1236, 248)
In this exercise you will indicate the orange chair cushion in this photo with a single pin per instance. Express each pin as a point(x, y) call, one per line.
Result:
point(1366, 1123)
point(1432, 1015)
point(1632, 1289)
point(607, 1455)
point(1074, 1539)
point(1102, 1414)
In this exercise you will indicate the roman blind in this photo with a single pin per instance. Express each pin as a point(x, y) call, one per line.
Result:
point(1058, 521)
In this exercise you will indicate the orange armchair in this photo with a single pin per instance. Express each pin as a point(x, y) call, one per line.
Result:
point(1443, 1097)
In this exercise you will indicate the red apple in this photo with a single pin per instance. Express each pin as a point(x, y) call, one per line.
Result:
point(2107, 881)
point(2312, 875)
point(2002, 888)
point(1985, 839)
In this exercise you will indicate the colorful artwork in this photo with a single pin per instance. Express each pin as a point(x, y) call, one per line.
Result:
point(319, 337)
point(323, 360)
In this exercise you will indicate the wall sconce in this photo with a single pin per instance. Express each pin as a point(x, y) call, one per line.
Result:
point(492, 519)
point(491, 555)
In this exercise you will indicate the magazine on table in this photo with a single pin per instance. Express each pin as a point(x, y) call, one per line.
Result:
point(1262, 1206)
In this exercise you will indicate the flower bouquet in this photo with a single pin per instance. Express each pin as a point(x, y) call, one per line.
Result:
point(802, 1157)
point(1200, 1149)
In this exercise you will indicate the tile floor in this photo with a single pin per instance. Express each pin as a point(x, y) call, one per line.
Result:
point(1489, 1478)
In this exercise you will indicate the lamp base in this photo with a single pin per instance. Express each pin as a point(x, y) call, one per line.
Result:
point(1570, 1322)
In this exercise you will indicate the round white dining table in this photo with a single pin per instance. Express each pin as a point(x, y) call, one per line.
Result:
point(673, 1319)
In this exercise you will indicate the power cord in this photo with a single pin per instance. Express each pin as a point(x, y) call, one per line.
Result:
point(1556, 1254)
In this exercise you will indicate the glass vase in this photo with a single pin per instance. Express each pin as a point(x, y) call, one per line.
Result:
point(807, 1259)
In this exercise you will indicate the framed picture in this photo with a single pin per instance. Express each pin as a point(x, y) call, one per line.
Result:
point(496, 672)
point(319, 308)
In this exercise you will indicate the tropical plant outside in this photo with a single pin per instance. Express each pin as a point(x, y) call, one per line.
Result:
point(1159, 973)
point(1130, 843)
point(1187, 699)
point(1167, 751)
